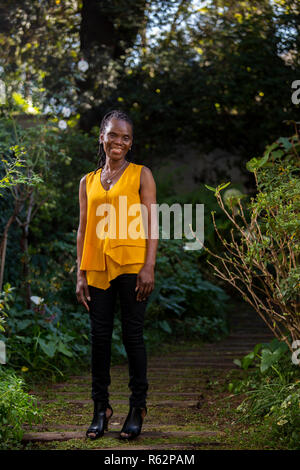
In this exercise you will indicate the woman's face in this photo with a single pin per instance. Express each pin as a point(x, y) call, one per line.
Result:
point(116, 138)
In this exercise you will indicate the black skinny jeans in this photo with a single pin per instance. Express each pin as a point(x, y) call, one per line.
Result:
point(102, 308)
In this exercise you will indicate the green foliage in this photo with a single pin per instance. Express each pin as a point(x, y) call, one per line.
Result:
point(5, 298)
point(183, 303)
point(278, 207)
point(199, 196)
point(53, 334)
point(272, 389)
point(270, 354)
point(17, 407)
point(44, 339)
point(36, 53)
point(278, 183)
point(204, 58)
point(278, 404)
point(192, 73)
point(262, 256)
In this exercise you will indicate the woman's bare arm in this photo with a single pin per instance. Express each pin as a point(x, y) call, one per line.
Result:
point(148, 197)
point(82, 287)
point(145, 281)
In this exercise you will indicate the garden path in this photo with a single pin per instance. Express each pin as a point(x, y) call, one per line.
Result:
point(189, 405)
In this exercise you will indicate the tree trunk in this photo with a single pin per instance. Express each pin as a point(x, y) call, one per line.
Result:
point(107, 30)
point(24, 247)
point(3, 244)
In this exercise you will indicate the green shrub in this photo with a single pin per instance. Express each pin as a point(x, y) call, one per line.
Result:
point(261, 259)
point(5, 297)
point(46, 339)
point(17, 407)
point(278, 405)
point(272, 388)
point(183, 303)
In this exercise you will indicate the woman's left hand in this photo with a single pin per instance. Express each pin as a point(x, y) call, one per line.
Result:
point(144, 283)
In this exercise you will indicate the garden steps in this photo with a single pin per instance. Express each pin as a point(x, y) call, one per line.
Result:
point(115, 424)
point(191, 369)
point(150, 394)
point(178, 403)
point(163, 446)
point(65, 436)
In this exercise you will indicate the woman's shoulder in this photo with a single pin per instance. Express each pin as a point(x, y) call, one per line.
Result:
point(141, 171)
point(91, 174)
point(141, 167)
point(88, 178)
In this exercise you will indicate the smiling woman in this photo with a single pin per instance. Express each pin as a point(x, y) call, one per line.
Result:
point(108, 267)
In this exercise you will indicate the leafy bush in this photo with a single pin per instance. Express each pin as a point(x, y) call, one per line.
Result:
point(272, 388)
point(182, 303)
point(46, 340)
point(17, 407)
point(201, 196)
point(261, 260)
point(5, 297)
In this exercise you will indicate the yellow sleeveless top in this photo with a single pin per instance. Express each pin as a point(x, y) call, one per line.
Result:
point(115, 237)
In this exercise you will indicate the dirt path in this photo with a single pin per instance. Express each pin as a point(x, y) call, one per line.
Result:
point(189, 406)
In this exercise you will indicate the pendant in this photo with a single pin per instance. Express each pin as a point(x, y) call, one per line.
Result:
point(108, 181)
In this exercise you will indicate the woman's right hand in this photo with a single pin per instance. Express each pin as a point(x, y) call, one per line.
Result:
point(82, 291)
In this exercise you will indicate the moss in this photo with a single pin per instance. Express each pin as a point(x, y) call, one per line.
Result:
point(215, 411)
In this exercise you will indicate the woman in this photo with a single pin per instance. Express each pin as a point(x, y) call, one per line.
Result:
point(110, 263)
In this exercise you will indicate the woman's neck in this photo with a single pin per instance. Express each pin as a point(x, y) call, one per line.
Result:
point(111, 165)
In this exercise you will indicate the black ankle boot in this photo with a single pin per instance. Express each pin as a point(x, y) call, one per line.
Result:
point(133, 423)
point(100, 421)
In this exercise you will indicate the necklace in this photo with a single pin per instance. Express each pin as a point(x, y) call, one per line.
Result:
point(110, 178)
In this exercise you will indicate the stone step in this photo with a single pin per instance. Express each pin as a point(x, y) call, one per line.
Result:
point(116, 422)
point(65, 436)
point(182, 446)
point(251, 335)
point(148, 447)
point(157, 373)
point(84, 384)
point(178, 403)
point(176, 367)
point(182, 371)
point(203, 365)
point(151, 394)
point(205, 352)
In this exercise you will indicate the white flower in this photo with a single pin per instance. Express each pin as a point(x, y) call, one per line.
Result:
point(52, 101)
point(1, 69)
point(66, 111)
point(62, 124)
point(2, 92)
point(31, 110)
point(83, 65)
point(47, 110)
point(36, 300)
